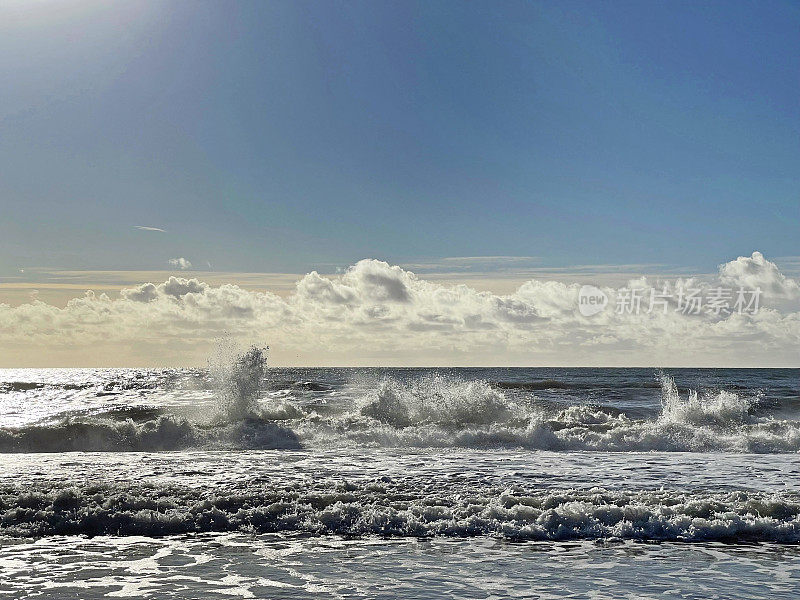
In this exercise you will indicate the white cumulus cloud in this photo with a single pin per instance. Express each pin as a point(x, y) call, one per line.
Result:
point(377, 313)
point(180, 263)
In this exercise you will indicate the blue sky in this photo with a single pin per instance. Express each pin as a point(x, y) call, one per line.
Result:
point(288, 136)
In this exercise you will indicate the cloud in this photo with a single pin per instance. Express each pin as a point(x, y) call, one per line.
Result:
point(180, 263)
point(756, 271)
point(145, 228)
point(375, 313)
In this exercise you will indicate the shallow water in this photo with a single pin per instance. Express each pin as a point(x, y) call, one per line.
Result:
point(467, 483)
point(278, 566)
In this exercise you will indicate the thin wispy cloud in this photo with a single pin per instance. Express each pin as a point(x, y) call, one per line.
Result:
point(472, 263)
point(531, 266)
point(146, 228)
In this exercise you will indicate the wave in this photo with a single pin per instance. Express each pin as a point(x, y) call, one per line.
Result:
point(239, 381)
point(436, 399)
point(405, 508)
point(429, 411)
point(98, 435)
point(239, 421)
point(19, 386)
point(577, 428)
point(26, 386)
point(563, 432)
point(442, 412)
point(161, 434)
point(720, 408)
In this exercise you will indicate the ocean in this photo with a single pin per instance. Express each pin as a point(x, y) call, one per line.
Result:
point(241, 481)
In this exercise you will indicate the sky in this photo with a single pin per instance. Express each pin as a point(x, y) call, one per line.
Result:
point(252, 144)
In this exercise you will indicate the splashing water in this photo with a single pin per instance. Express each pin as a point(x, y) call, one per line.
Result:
point(720, 408)
point(239, 383)
point(237, 406)
point(437, 400)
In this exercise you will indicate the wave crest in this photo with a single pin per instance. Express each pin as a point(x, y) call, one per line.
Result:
point(720, 408)
point(437, 400)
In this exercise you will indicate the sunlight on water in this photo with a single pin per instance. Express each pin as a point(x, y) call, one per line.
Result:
point(278, 478)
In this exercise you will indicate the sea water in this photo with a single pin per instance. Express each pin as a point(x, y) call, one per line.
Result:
point(246, 482)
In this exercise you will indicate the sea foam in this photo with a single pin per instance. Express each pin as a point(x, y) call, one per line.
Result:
point(405, 508)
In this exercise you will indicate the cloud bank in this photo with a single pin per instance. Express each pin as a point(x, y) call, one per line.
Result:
point(377, 313)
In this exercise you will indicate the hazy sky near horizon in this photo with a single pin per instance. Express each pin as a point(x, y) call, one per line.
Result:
point(291, 136)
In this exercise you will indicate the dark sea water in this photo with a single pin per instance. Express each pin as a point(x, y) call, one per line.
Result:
point(240, 481)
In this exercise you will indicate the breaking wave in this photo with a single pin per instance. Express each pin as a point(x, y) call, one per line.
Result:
point(161, 434)
point(438, 411)
point(438, 400)
point(720, 408)
point(239, 379)
point(252, 411)
point(239, 421)
point(402, 508)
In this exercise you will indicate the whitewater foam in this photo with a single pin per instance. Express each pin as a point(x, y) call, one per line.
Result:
point(409, 508)
point(722, 407)
point(436, 399)
point(242, 406)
